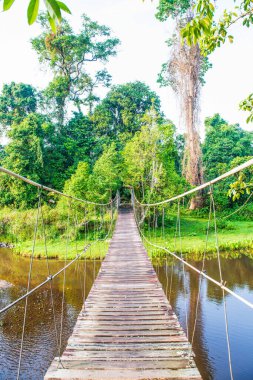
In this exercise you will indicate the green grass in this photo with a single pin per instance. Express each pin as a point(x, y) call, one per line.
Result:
point(57, 249)
point(233, 236)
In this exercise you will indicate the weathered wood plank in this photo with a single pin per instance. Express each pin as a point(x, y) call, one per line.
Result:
point(126, 329)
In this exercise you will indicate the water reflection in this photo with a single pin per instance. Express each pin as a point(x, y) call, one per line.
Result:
point(209, 343)
point(40, 345)
point(210, 340)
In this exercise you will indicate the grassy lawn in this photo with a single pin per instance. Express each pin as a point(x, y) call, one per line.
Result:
point(58, 248)
point(232, 236)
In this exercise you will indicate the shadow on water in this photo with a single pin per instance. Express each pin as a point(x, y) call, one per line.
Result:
point(209, 343)
point(40, 338)
point(210, 340)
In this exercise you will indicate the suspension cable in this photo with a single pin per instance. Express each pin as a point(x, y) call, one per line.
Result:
point(223, 293)
point(201, 187)
point(221, 285)
point(49, 189)
point(28, 285)
point(51, 277)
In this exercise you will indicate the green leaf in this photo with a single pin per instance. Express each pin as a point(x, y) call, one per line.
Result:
point(52, 23)
point(64, 7)
point(53, 9)
point(32, 11)
point(7, 4)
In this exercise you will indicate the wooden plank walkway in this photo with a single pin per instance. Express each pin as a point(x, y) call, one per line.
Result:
point(126, 329)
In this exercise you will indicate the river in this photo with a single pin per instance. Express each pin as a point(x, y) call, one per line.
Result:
point(40, 338)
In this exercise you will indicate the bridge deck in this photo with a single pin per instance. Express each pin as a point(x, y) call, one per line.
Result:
point(126, 329)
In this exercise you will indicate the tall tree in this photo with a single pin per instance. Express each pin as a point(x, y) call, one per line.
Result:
point(210, 33)
point(69, 56)
point(149, 159)
point(120, 113)
point(106, 179)
point(25, 156)
point(17, 100)
point(184, 72)
point(223, 143)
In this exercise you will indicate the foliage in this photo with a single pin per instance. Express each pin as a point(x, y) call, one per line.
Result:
point(247, 105)
point(105, 179)
point(119, 114)
point(78, 184)
point(210, 33)
point(54, 11)
point(20, 159)
point(149, 159)
point(80, 140)
point(17, 100)
point(223, 143)
point(69, 55)
point(172, 8)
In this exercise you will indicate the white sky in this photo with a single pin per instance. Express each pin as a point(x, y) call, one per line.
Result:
point(140, 55)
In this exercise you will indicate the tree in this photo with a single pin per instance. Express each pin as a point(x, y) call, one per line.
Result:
point(106, 179)
point(25, 156)
point(69, 56)
point(223, 143)
point(149, 159)
point(17, 100)
point(78, 184)
point(80, 140)
point(209, 33)
point(185, 73)
point(54, 10)
point(119, 114)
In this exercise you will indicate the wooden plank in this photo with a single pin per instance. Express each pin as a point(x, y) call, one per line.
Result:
point(126, 329)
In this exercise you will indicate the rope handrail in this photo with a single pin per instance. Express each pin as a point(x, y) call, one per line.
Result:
point(49, 189)
point(48, 279)
point(201, 273)
point(201, 187)
point(51, 277)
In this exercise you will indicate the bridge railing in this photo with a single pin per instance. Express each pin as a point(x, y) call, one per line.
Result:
point(146, 215)
point(92, 222)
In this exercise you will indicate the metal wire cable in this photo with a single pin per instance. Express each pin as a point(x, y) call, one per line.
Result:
point(49, 275)
point(222, 286)
point(223, 293)
point(28, 286)
point(201, 187)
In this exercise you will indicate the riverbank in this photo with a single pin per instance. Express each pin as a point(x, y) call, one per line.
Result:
point(17, 230)
point(57, 249)
point(235, 238)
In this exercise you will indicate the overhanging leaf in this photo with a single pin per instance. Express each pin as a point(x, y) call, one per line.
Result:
point(32, 11)
point(53, 9)
point(64, 7)
point(52, 23)
point(7, 4)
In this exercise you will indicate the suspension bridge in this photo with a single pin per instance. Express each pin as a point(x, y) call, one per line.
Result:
point(127, 329)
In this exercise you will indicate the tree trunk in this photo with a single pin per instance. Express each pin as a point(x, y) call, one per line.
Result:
point(184, 70)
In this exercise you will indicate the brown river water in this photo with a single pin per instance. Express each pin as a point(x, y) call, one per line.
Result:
point(40, 339)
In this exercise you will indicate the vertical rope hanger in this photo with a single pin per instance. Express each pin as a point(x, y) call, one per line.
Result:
point(49, 275)
point(28, 284)
point(64, 281)
point(202, 270)
point(94, 239)
point(222, 282)
point(184, 276)
point(85, 257)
